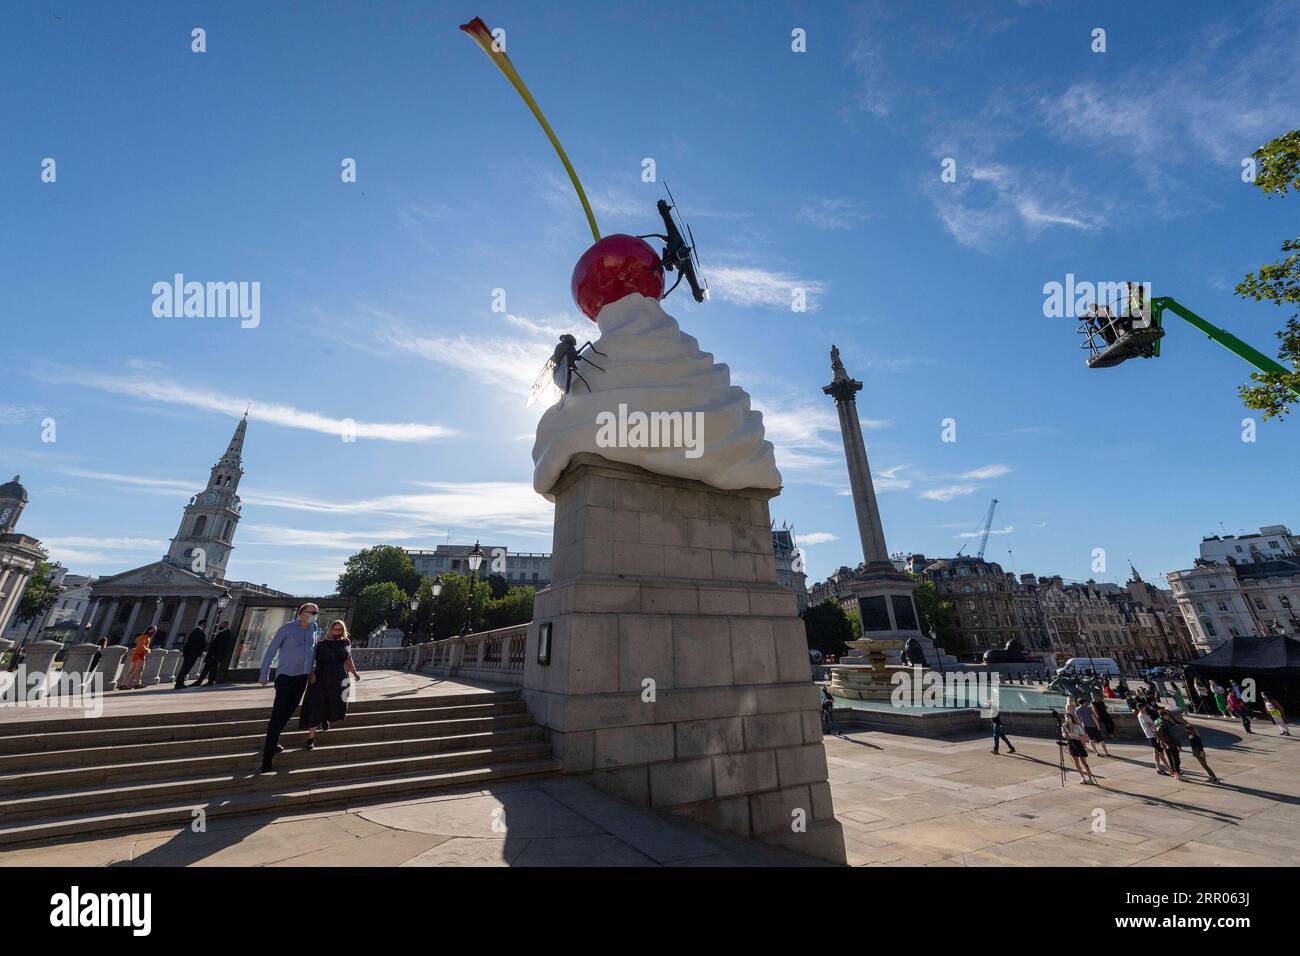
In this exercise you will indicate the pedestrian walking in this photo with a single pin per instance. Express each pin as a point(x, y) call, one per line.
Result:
point(1238, 708)
point(1074, 738)
point(1087, 719)
point(1276, 712)
point(998, 735)
point(1148, 725)
point(1220, 697)
point(191, 650)
point(1103, 715)
point(829, 726)
point(1164, 729)
point(1197, 746)
point(139, 654)
point(326, 702)
point(294, 649)
point(218, 656)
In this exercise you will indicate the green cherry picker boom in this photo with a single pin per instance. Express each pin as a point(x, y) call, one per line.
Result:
point(1136, 332)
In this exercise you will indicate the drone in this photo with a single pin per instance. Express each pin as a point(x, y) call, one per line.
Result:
point(677, 255)
point(564, 360)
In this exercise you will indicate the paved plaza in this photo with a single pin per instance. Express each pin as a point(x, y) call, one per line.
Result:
point(549, 822)
point(903, 801)
point(914, 801)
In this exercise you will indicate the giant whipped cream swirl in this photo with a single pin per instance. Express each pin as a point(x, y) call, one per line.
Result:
point(650, 366)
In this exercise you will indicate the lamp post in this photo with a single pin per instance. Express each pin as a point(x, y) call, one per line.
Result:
point(435, 589)
point(222, 603)
point(473, 559)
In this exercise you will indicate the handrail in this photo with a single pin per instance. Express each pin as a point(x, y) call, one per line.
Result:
point(495, 655)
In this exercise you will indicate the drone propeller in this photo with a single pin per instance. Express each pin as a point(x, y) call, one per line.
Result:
point(684, 226)
point(699, 272)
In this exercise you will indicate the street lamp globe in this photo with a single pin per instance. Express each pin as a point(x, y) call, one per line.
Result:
point(474, 558)
point(436, 587)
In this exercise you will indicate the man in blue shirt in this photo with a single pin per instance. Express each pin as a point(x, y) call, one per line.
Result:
point(295, 642)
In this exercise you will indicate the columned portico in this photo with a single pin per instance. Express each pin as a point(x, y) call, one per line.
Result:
point(131, 619)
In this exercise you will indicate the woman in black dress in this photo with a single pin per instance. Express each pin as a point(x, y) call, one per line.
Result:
point(328, 688)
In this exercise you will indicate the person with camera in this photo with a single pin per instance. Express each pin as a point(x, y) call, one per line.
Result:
point(1073, 738)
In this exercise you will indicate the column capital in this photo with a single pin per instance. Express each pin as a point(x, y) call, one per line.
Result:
point(843, 389)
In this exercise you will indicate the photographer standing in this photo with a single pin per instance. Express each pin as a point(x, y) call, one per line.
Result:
point(1074, 740)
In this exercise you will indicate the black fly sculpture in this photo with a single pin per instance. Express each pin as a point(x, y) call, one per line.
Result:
point(562, 367)
point(563, 361)
point(677, 255)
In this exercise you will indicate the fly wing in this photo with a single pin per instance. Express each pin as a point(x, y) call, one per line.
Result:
point(544, 382)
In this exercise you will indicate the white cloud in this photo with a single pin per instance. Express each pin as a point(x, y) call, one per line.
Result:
point(948, 492)
point(753, 286)
point(503, 363)
point(832, 214)
point(125, 544)
point(500, 505)
point(816, 537)
point(977, 534)
point(988, 471)
point(280, 536)
point(989, 201)
point(173, 393)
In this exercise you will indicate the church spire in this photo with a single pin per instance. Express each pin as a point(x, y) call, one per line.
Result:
point(235, 450)
point(204, 540)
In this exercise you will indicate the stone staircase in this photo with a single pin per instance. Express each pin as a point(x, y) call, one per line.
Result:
point(80, 776)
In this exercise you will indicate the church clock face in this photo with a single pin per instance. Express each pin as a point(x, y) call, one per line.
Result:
point(209, 498)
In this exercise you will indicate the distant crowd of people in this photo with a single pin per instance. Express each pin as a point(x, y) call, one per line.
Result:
point(215, 653)
point(1086, 724)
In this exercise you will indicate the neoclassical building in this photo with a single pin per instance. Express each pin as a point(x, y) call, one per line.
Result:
point(19, 553)
point(189, 583)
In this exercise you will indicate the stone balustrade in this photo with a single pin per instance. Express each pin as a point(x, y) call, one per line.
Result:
point(488, 655)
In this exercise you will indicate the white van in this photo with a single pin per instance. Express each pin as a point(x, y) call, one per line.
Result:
point(1104, 666)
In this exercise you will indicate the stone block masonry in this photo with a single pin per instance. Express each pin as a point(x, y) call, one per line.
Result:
point(679, 676)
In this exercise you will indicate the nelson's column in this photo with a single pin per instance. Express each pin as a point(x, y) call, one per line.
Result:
point(881, 595)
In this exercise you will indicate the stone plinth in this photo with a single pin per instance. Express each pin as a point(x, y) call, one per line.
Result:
point(678, 674)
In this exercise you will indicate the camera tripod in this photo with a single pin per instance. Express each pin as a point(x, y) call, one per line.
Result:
point(1060, 742)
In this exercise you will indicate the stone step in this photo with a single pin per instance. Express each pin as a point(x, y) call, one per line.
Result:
point(135, 795)
point(216, 715)
point(245, 755)
point(284, 796)
point(96, 735)
point(117, 747)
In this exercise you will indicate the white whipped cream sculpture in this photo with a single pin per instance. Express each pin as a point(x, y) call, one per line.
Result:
point(657, 389)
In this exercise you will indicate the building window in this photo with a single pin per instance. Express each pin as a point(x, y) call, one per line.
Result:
point(1261, 604)
point(200, 524)
point(1222, 606)
point(1208, 625)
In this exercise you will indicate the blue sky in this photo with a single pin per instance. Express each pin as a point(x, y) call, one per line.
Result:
point(818, 170)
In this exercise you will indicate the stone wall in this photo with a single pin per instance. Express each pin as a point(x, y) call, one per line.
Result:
point(679, 675)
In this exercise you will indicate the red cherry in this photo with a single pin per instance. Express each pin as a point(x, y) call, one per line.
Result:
point(612, 268)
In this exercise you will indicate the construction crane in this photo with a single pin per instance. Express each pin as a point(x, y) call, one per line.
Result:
point(988, 523)
point(984, 537)
point(1112, 339)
